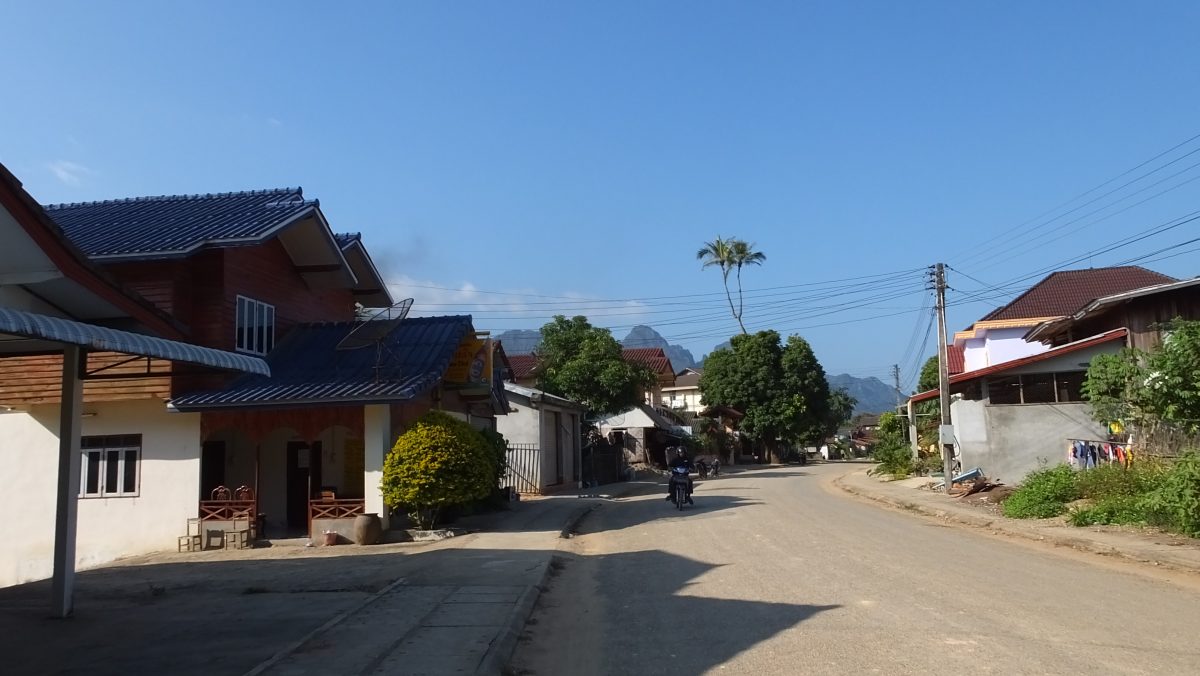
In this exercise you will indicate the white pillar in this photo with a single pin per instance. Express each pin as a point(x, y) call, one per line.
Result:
point(69, 461)
point(377, 442)
point(912, 429)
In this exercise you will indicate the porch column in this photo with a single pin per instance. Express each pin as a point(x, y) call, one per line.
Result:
point(67, 501)
point(912, 430)
point(377, 441)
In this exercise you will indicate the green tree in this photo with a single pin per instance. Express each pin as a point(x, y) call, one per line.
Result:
point(582, 362)
point(781, 390)
point(841, 407)
point(719, 253)
point(731, 255)
point(928, 413)
point(743, 255)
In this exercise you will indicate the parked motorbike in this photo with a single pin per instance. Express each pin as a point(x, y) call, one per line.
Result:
point(679, 486)
point(702, 468)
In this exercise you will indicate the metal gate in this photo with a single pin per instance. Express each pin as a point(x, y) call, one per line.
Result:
point(524, 471)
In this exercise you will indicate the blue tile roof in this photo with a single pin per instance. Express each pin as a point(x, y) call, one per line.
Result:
point(346, 239)
point(308, 369)
point(177, 225)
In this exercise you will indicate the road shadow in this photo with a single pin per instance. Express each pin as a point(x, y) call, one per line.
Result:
point(644, 618)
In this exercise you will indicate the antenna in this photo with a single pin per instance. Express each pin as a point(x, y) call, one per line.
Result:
point(375, 328)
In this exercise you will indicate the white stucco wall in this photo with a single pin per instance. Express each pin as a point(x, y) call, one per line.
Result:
point(1008, 344)
point(108, 528)
point(536, 426)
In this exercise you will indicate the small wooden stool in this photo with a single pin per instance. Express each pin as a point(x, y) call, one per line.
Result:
point(193, 541)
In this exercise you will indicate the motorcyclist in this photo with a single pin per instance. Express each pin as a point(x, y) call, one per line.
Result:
point(681, 460)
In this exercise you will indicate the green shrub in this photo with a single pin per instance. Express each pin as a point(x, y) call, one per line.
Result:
point(1127, 509)
point(895, 460)
point(1116, 481)
point(1175, 504)
point(439, 462)
point(1043, 494)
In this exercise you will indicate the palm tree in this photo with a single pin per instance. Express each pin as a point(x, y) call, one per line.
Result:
point(720, 252)
point(744, 254)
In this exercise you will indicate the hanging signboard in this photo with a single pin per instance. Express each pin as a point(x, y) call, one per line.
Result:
point(472, 362)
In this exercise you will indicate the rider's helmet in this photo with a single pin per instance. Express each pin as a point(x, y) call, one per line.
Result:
point(679, 451)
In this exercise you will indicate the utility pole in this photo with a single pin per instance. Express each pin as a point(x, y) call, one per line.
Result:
point(896, 377)
point(946, 432)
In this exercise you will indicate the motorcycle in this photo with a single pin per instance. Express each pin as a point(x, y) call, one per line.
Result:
point(706, 469)
point(679, 486)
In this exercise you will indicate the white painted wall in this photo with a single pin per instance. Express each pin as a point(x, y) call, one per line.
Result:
point(109, 528)
point(533, 426)
point(996, 346)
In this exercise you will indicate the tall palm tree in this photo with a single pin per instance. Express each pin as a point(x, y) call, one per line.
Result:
point(744, 254)
point(720, 253)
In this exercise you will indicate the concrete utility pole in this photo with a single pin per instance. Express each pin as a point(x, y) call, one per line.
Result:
point(946, 432)
point(896, 377)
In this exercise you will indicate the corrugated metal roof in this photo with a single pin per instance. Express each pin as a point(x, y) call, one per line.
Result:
point(956, 361)
point(309, 369)
point(522, 365)
point(1115, 334)
point(1062, 293)
point(57, 330)
point(175, 225)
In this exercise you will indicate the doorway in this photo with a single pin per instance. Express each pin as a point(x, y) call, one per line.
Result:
point(212, 467)
point(303, 477)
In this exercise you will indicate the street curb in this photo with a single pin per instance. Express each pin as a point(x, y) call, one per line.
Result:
point(498, 655)
point(999, 525)
point(332, 622)
point(575, 519)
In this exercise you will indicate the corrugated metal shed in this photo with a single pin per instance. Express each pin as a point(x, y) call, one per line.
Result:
point(175, 225)
point(308, 368)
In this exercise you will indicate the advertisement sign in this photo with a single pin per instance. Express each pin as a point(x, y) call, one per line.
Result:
point(472, 362)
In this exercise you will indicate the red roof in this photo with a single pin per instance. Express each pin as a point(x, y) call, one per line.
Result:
point(955, 359)
point(1115, 334)
point(1062, 293)
point(652, 357)
point(522, 365)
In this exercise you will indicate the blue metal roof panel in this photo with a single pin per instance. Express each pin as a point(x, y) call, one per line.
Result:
point(308, 368)
point(30, 325)
point(174, 225)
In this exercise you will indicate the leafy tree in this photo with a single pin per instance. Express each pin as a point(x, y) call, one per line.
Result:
point(731, 255)
point(928, 379)
point(928, 413)
point(582, 362)
point(1145, 389)
point(841, 406)
point(781, 390)
point(439, 461)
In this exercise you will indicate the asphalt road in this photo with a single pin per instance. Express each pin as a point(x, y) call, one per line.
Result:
point(778, 572)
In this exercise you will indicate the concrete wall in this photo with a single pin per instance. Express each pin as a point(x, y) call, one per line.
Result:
point(108, 528)
point(1008, 344)
point(1010, 441)
point(536, 426)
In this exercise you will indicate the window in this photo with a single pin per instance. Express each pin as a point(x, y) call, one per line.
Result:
point(1070, 385)
point(1004, 390)
point(1037, 388)
point(111, 466)
point(255, 326)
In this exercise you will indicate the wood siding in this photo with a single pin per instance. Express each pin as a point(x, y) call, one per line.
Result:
point(26, 381)
point(201, 293)
point(1143, 317)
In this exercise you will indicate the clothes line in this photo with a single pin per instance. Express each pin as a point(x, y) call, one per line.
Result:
point(1091, 453)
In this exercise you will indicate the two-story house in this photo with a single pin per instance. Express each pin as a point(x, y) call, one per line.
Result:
point(999, 336)
point(262, 274)
point(78, 352)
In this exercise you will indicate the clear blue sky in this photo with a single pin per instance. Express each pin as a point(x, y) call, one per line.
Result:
point(585, 150)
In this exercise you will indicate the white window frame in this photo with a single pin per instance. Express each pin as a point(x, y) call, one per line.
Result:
point(122, 446)
point(250, 315)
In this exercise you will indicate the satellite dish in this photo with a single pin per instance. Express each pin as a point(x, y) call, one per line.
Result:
point(377, 327)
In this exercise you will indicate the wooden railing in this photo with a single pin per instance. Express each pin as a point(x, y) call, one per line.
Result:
point(227, 510)
point(335, 509)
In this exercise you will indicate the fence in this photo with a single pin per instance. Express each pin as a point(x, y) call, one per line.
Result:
point(524, 471)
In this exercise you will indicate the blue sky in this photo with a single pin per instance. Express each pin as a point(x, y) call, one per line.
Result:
point(540, 157)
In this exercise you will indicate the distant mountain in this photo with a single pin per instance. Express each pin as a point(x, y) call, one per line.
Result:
point(519, 341)
point(525, 341)
point(872, 394)
point(644, 336)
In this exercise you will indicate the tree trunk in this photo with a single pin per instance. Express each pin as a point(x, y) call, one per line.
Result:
point(732, 310)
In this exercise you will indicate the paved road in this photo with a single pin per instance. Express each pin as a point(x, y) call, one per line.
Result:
point(777, 572)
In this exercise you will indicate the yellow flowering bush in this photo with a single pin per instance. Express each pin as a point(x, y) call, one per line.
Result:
point(440, 461)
